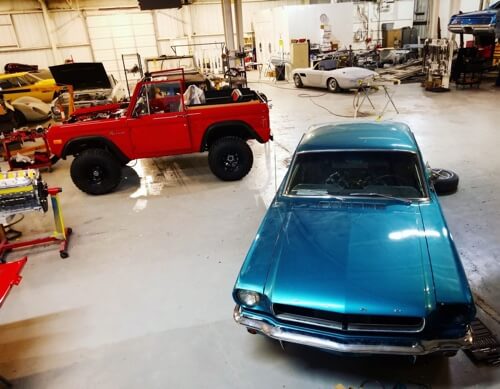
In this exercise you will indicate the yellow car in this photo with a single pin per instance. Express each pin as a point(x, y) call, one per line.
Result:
point(24, 80)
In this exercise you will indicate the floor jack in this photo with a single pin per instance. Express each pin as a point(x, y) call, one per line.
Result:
point(23, 191)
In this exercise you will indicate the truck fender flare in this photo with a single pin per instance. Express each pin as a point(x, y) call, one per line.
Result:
point(246, 131)
point(75, 145)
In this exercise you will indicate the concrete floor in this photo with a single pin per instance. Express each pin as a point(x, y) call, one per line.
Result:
point(144, 301)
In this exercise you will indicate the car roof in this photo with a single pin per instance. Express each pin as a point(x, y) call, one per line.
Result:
point(358, 135)
point(9, 75)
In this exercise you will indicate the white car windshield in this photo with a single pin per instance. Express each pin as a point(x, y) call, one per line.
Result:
point(356, 173)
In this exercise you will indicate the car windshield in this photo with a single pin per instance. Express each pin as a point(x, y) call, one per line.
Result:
point(30, 79)
point(356, 173)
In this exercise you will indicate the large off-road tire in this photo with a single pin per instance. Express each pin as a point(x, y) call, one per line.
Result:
point(445, 181)
point(96, 172)
point(297, 81)
point(230, 158)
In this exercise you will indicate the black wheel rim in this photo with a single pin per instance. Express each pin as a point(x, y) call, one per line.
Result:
point(96, 175)
point(231, 161)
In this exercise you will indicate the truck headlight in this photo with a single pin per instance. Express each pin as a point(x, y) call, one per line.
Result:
point(248, 297)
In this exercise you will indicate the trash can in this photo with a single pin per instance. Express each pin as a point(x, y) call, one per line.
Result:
point(280, 72)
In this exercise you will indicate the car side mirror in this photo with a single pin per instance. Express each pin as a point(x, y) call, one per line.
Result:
point(428, 171)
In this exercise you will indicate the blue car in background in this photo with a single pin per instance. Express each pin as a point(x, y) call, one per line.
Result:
point(354, 254)
point(477, 22)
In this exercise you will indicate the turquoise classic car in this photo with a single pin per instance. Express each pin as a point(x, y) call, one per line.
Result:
point(354, 254)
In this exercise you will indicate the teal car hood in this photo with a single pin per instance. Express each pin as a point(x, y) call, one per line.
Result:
point(352, 259)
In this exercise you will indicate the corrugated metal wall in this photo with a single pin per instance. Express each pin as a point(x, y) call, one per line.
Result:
point(104, 30)
point(113, 34)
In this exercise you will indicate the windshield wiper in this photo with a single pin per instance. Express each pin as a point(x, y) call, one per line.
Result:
point(373, 194)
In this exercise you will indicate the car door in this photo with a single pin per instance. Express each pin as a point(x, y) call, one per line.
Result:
point(315, 76)
point(40, 89)
point(10, 85)
point(158, 122)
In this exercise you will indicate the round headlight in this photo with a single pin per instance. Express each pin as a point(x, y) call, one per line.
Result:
point(248, 297)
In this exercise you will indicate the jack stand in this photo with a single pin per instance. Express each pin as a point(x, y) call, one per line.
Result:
point(357, 104)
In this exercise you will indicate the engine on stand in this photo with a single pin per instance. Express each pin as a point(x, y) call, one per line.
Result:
point(437, 60)
point(22, 191)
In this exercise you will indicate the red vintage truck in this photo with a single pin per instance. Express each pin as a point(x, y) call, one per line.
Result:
point(159, 122)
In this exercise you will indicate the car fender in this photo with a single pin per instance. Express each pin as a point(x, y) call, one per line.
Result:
point(227, 128)
point(74, 145)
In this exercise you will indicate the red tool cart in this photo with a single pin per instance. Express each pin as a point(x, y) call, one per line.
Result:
point(41, 157)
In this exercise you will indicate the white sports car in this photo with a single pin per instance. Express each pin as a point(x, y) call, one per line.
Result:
point(30, 109)
point(334, 80)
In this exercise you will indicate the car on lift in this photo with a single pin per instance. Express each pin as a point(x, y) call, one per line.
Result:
point(161, 121)
point(486, 21)
point(325, 75)
point(354, 254)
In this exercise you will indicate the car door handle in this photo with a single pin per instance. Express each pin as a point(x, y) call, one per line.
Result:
point(170, 117)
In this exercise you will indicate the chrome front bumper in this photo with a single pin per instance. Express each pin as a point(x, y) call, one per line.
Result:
point(282, 333)
point(465, 28)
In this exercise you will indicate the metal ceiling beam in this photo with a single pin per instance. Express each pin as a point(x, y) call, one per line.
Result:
point(50, 32)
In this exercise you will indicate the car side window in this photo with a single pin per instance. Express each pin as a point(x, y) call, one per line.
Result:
point(142, 103)
point(8, 83)
point(164, 97)
point(15, 82)
point(22, 81)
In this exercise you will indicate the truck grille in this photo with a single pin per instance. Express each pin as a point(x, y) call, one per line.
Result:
point(347, 322)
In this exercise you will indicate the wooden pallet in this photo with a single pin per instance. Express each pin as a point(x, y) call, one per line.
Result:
point(403, 72)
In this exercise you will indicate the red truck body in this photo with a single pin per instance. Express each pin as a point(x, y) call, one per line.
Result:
point(163, 124)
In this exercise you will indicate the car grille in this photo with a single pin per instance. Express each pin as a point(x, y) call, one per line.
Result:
point(347, 322)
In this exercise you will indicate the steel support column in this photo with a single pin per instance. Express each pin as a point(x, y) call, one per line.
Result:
point(433, 19)
point(238, 18)
point(227, 15)
point(50, 32)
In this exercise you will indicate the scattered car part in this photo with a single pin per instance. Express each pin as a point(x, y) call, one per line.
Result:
point(444, 181)
point(486, 347)
point(437, 59)
point(41, 158)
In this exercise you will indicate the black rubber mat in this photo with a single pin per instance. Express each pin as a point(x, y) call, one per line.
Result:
point(485, 348)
